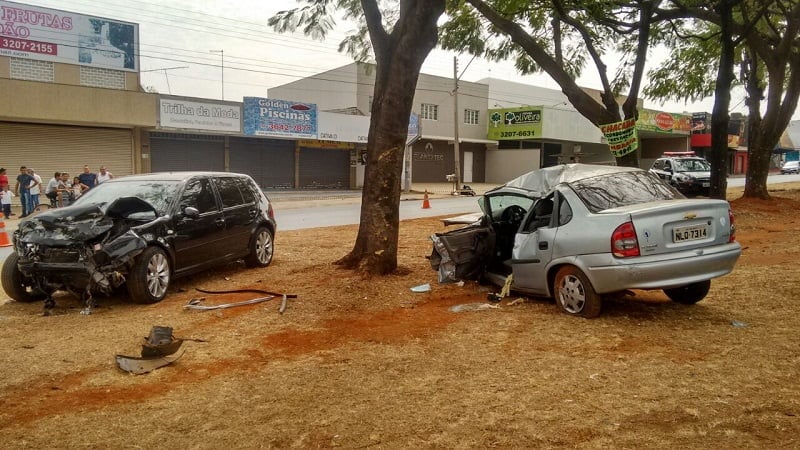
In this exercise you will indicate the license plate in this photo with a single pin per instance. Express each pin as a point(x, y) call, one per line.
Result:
point(692, 233)
point(706, 184)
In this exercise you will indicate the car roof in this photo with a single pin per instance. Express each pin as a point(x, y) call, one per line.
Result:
point(172, 176)
point(541, 181)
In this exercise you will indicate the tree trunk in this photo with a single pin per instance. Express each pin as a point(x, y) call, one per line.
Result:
point(758, 161)
point(399, 56)
point(720, 117)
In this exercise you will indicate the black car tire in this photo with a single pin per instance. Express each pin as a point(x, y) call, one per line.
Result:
point(15, 285)
point(575, 294)
point(689, 294)
point(149, 278)
point(262, 248)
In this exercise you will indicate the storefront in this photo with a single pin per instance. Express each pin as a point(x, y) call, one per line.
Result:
point(49, 148)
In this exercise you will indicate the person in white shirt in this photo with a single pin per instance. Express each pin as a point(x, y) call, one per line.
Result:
point(104, 175)
point(52, 189)
point(5, 200)
point(35, 188)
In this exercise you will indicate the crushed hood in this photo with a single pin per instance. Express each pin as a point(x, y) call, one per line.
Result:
point(79, 223)
point(541, 181)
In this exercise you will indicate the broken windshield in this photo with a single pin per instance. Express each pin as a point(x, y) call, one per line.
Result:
point(158, 193)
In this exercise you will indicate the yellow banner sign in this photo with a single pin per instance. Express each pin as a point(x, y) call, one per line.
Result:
point(621, 137)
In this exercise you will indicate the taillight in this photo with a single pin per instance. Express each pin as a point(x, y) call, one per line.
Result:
point(733, 226)
point(270, 211)
point(623, 242)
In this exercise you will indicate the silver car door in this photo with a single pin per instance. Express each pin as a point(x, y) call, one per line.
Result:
point(533, 248)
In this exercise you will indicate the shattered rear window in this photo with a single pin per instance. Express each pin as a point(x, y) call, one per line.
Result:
point(622, 189)
point(158, 193)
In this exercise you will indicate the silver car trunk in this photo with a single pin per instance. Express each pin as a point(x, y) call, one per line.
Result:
point(678, 225)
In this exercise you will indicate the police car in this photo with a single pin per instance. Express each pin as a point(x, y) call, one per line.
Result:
point(685, 171)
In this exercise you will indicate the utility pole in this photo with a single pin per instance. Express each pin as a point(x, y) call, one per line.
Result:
point(456, 149)
point(222, 68)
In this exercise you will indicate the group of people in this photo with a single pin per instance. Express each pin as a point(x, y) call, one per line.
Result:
point(61, 190)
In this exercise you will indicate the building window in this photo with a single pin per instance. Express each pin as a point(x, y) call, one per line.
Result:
point(429, 111)
point(29, 69)
point(471, 116)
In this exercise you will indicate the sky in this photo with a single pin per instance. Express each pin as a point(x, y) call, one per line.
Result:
point(185, 44)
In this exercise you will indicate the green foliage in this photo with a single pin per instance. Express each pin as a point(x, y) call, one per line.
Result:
point(689, 73)
point(316, 19)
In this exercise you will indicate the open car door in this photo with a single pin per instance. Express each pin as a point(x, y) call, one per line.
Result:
point(462, 254)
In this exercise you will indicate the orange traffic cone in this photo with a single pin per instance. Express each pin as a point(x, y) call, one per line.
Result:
point(425, 202)
point(4, 240)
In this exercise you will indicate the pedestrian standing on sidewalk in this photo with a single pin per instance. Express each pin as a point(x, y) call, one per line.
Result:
point(22, 190)
point(35, 188)
point(104, 175)
point(5, 201)
point(87, 177)
point(3, 178)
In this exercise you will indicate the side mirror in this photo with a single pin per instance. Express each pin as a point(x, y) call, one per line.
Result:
point(191, 212)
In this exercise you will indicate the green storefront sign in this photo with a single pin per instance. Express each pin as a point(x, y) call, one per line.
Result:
point(515, 123)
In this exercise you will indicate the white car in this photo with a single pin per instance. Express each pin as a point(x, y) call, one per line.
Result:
point(577, 232)
point(790, 167)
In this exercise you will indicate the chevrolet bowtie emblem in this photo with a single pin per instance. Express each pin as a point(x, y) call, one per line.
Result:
point(690, 216)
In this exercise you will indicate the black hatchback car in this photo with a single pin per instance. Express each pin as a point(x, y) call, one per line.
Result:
point(140, 232)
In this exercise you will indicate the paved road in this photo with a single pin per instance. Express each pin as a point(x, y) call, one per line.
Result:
point(347, 214)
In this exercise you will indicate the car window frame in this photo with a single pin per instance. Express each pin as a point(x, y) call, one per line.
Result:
point(218, 182)
point(212, 190)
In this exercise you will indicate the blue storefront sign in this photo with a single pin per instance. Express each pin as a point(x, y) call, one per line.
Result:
point(279, 118)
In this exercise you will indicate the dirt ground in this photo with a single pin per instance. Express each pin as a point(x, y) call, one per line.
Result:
point(357, 362)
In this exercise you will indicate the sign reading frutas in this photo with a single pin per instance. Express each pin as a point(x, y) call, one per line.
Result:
point(45, 34)
point(621, 136)
point(269, 117)
point(515, 123)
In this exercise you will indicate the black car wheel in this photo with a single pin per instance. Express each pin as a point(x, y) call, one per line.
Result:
point(149, 279)
point(575, 294)
point(17, 285)
point(261, 248)
point(689, 294)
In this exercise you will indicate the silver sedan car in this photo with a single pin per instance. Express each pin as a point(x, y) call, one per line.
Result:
point(579, 232)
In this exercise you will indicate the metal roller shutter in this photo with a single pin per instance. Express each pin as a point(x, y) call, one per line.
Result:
point(51, 148)
point(270, 162)
point(179, 152)
point(324, 168)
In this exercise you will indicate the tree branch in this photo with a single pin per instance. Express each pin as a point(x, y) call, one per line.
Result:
point(377, 34)
point(587, 105)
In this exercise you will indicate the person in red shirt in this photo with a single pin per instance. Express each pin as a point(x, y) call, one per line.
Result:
point(3, 178)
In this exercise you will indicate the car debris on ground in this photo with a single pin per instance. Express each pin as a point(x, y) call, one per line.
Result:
point(159, 349)
point(195, 302)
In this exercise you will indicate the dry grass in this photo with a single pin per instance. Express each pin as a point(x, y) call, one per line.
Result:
point(358, 362)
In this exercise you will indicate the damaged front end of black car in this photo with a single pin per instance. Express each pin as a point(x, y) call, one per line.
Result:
point(84, 249)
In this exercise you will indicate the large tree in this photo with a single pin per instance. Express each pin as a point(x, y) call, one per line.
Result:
point(768, 49)
point(401, 39)
point(560, 37)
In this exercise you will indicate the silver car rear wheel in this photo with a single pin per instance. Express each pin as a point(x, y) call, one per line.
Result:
point(575, 294)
